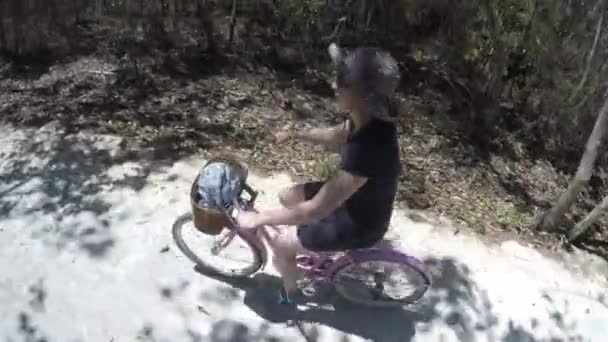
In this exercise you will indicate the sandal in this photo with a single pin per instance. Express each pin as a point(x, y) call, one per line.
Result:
point(284, 297)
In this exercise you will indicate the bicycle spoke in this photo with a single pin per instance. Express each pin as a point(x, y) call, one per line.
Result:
point(222, 242)
point(380, 281)
point(227, 253)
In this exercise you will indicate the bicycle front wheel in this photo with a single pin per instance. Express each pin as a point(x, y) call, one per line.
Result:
point(382, 279)
point(237, 258)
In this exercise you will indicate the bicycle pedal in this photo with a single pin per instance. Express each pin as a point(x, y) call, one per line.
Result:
point(304, 260)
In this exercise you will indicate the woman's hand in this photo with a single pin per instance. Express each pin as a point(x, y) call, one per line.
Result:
point(283, 134)
point(248, 219)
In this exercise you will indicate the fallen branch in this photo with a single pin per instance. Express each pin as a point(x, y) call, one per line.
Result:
point(591, 218)
point(100, 72)
point(550, 220)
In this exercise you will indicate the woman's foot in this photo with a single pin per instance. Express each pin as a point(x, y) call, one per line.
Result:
point(284, 297)
point(287, 296)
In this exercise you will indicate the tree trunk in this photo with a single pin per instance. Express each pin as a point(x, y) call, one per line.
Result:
point(581, 227)
point(99, 9)
point(494, 83)
point(361, 16)
point(205, 14)
point(598, 31)
point(232, 23)
point(550, 220)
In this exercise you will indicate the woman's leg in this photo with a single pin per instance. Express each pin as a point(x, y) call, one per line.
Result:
point(286, 246)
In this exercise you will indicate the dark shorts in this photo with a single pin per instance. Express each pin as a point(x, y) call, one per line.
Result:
point(337, 231)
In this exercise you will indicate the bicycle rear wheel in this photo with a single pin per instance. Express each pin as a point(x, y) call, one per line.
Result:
point(238, 258)
point(381, 279)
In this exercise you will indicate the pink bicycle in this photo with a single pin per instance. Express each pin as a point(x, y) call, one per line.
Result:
point(375, 277)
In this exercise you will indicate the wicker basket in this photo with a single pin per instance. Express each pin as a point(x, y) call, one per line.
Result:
point(212, 221)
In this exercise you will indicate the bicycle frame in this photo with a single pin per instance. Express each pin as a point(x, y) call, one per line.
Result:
point(316, 267)
point(319, 267)
point(314, 272)
point(249, 235)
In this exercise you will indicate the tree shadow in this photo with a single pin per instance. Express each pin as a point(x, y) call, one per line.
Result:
point(452, 287)
point(39, 295)
point(457, 300)
point(232, 331)
point(518, 334)
point(28, 331)
point(55, 182)
point(26, 67)
point(454, 302)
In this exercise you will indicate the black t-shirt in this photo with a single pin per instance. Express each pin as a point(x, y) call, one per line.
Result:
point(373, 152)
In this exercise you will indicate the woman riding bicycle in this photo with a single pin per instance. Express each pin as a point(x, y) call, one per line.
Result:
point(353, 209)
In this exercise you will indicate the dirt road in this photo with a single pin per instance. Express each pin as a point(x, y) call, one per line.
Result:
point(86, 254)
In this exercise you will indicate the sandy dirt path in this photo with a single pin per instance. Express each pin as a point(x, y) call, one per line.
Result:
point(86, 254)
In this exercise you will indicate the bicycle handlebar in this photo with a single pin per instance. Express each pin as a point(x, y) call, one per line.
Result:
point(252, 193)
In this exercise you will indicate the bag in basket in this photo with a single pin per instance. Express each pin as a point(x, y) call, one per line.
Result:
point(216, 188)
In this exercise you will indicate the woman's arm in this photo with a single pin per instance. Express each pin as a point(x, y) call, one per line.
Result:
point(332, 195)
point(331, 138)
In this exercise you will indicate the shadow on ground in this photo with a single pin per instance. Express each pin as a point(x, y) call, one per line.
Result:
point(455, 305)
point(54, 183)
